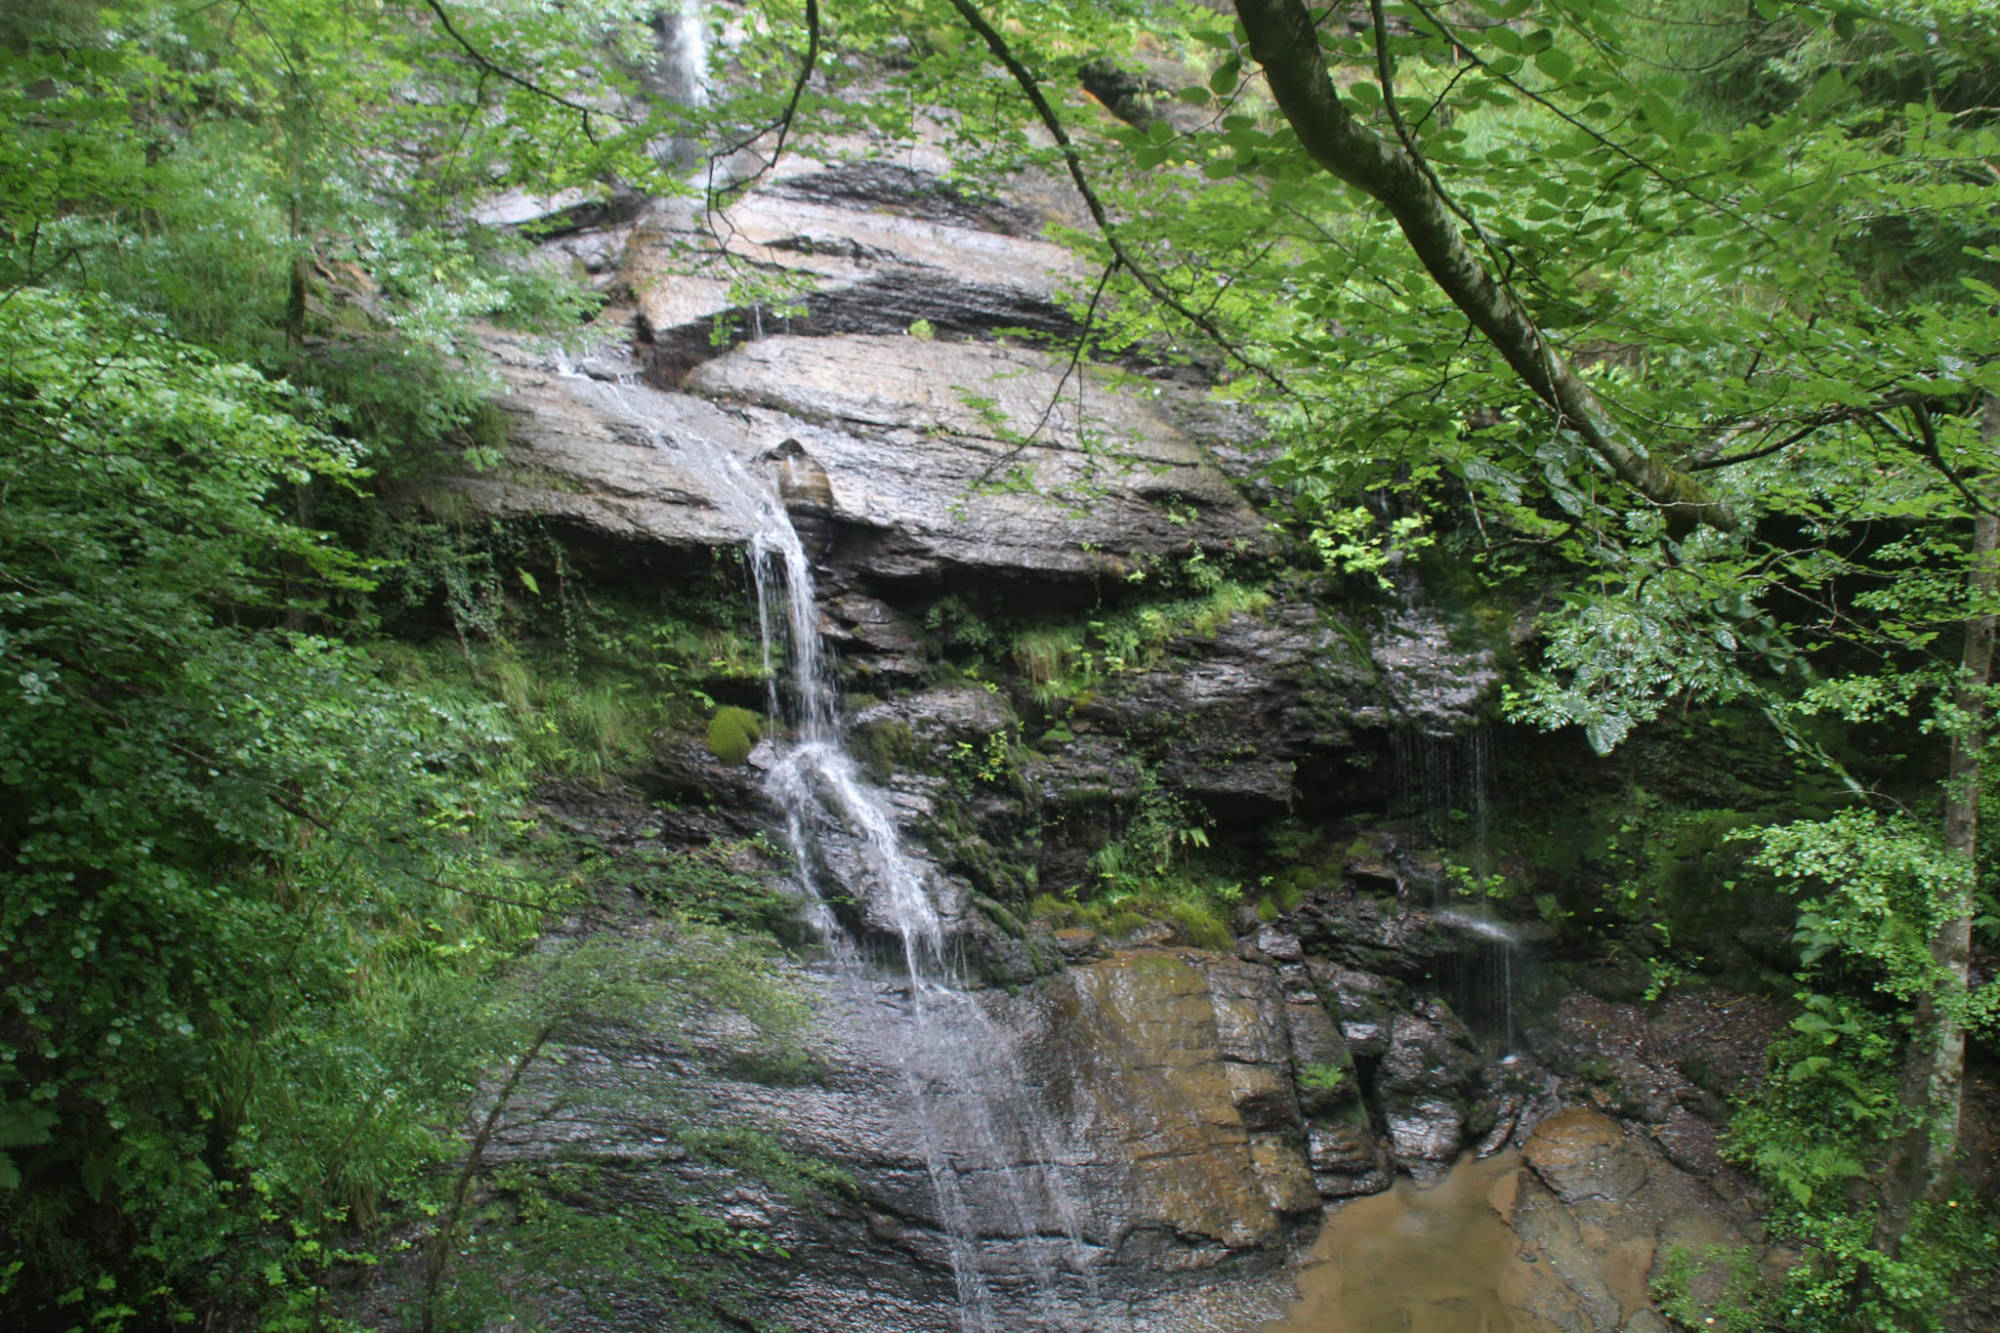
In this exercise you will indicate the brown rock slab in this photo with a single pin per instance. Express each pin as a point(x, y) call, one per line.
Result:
point(1581, 1154)
point(1215, 1156)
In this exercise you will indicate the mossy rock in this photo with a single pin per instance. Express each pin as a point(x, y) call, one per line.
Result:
point(1200, 924)
point(885, 745)
point(1000, 916)
point(733, 733)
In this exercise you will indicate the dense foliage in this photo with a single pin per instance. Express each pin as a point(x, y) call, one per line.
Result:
point(273, 893)
point(270, 887)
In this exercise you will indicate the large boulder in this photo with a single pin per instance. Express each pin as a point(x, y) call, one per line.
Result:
point(1177, 1066)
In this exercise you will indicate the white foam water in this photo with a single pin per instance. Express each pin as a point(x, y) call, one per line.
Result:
point(994, 1156)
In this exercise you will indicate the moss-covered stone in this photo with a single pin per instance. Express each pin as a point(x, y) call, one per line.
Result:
point(1000, 916)
point(733, 733)
point(885, 746)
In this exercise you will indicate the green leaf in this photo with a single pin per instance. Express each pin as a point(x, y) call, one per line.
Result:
point(25, 1125)
point(1827, 90)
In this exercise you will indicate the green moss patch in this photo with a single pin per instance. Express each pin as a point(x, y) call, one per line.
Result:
point(733, 733)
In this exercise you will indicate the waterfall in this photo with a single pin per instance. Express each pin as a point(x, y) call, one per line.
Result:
point(680, 76)
point(683, 31)
point(951, 1038)
point(994, 1156)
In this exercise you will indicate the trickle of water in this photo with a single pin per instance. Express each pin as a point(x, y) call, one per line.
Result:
point(1499, 943)
point(1447, 782)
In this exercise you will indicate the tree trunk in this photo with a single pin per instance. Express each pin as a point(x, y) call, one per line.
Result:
point(438, 1257)
point(1285, 42)
point(1934, 1066)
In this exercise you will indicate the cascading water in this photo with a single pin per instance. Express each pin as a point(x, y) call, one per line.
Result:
point(994, 1156)
point(683, 29)
point(815, 782)
point(681, 74)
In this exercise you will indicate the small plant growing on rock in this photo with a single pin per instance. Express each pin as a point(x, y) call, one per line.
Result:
point(1322, 1077)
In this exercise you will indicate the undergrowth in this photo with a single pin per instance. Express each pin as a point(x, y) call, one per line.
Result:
point(1159, 868)
point(588, 678)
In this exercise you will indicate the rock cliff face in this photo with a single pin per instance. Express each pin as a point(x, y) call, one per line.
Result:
point(1169, 1116)
point(929, 454)
point(1145, 1137)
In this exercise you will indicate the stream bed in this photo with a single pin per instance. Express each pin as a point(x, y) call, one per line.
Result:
point(1435, 1258)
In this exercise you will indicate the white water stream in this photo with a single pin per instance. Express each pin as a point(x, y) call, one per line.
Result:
point(1447, 781)
point(951, 1048)
point(684, 51)
point(996, 1159)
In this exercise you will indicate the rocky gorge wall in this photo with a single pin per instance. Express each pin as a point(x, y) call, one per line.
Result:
point(1219, 1078)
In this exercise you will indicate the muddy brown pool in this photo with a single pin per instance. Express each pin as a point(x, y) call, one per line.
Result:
point(1431, 1258)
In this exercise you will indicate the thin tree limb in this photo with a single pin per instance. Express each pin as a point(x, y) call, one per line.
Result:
point(1764, 450)
point(1925, 446)
point(785, 118)
point(481, 59)
point(1075, 361)
point(1284, 41)
point(1031, 89)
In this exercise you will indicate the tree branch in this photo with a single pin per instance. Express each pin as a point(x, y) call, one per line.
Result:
point(1925, 446)
point(1284, 41)
point(1075, 361)
point(783, 123)
point(481, 59)
point(1158, 290)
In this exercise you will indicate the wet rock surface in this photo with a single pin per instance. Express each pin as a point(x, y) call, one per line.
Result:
point(1144, 1137)
point(1672, 1067)
point(1604, 1214)
point(1147, 1170)
point(1423, 1083)
point(1238, 713)
point(1574, 1234)
point(932, 454)
point(1138, 1134)
point(1435, 686)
